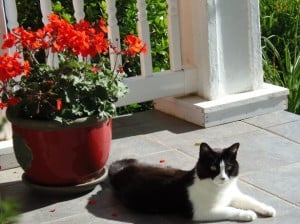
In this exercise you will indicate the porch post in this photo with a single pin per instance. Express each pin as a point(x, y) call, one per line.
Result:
point(3, 27)
point(5, 131)
point(222, 40)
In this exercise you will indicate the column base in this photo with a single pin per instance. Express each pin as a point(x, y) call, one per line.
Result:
point(226, 109)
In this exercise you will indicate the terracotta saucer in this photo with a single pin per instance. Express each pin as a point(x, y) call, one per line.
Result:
point(80, 188)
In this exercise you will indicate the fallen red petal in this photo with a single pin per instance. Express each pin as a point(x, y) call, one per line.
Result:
point(162, 161)
point(92, 202)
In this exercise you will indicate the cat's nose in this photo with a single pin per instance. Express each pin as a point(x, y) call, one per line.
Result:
point(223, 178)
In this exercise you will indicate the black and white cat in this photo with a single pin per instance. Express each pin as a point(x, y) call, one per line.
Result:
point(208, 192)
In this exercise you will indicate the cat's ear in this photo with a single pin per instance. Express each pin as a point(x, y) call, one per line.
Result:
point(204, 149)
point(232, 150)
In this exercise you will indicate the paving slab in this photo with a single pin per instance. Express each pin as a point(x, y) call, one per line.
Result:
point(272, 119)
point(282, 181)
point(134, 147)
point(288, 130)
point(285, 211)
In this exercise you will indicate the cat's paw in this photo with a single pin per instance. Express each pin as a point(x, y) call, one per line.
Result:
point(247, 215)
point(268, 211)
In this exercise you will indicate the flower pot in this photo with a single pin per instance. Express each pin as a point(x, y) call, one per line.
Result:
point(60, 155)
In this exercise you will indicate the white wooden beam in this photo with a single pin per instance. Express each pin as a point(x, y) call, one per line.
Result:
point(221, 39)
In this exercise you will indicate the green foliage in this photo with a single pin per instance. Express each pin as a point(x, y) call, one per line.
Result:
point(135, 107)
point(31, 14)
point(8, 212)
point(82, 91)
point(283, 70)
point(280, 21)
point(157, 16)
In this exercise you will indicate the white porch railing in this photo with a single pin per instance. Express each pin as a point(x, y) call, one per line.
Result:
point(215, 54)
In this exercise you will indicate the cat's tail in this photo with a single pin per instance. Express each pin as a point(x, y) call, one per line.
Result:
point(115, 173)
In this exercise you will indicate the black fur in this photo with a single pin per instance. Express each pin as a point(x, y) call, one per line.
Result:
point(164, 190)
point(152, 189)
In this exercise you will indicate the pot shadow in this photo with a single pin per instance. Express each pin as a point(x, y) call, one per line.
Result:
point(148, 122)
point(29, 199)
point(105, 206)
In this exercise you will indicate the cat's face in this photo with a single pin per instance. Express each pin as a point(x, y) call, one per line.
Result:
point(218, 165)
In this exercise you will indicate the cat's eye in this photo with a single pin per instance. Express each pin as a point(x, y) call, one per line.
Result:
point(213, 168)
point(229, 167)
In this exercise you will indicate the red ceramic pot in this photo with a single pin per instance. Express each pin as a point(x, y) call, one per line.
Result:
point(52, 154)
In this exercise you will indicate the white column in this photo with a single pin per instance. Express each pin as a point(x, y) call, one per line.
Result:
point(221, 38)
point(227, 47)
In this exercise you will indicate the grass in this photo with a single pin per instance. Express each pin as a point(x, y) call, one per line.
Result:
point(8, 212)
point(280, 21)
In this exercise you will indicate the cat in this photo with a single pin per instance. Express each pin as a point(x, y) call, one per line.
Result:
point(208, 192)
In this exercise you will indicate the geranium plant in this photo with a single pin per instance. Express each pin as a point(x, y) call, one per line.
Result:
point(74, 82)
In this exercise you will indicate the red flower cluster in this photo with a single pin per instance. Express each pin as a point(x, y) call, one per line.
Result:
point(81, 38)
point(135, 45)
point(11, 66)
point(58, 36)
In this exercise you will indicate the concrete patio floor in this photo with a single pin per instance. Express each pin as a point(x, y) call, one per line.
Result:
point(269, 158)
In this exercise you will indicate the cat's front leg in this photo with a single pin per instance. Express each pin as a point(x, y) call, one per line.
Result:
point(243, 201)
point(226, 213)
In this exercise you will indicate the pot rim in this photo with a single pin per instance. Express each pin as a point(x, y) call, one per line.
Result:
point(52, 124)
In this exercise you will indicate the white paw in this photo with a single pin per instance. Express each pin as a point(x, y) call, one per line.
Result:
point(268, 211)
point(247, 215)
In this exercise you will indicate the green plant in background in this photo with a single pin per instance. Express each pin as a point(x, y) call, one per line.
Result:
point(157, 16)
point(283, 69)
point(8, 212)
point(280, 21)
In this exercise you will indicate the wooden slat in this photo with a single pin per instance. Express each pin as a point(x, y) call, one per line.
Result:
point(144, 34)
point(78, 10)
point(174, 36)
point(3, 27)
point(113, 33)
point(11, 13)
point(45, 10)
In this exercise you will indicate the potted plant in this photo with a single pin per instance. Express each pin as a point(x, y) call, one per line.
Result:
point(61, 108)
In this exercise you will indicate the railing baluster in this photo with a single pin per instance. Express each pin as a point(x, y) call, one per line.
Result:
point(12, 18)
point(144, 34)
point(46, 9)
point(174, 36)
point(3, 27)
point(11, 14)
point(78, 10)
point(113, 33)
point(79, 14)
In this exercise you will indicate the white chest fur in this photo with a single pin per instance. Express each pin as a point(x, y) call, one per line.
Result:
point(206, 195)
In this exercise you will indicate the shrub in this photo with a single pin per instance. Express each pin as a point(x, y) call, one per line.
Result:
point(280, 21)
